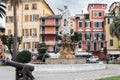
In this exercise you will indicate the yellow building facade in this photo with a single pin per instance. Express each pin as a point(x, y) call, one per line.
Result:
point(28, 14)
point(112, 42)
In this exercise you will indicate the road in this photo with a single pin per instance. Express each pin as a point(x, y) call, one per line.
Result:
point(111, 70)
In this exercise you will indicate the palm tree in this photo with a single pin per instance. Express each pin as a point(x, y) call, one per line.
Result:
point(115, 28)
point(14, 3)
point(2, 10)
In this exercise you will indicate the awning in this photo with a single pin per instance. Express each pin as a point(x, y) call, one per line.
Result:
point(82, 53)
point(114, 52)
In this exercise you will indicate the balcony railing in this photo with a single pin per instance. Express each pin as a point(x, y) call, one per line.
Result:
point(48, 32)
point(48, 42)
point(50, 24)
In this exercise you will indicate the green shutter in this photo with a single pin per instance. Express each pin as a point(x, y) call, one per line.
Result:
point(111, 42)
point(102, 45)
point(95, 24)
point(108, 20)
point(79, 45)
point(80, 24)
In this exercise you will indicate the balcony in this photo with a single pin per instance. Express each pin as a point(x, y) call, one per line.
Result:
point(50, 24)
point(48, 42)
point(47, 33)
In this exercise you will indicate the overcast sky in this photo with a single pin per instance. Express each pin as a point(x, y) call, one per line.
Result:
point(75, 6)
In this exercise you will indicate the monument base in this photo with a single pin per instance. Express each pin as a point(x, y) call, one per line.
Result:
point(65, 61)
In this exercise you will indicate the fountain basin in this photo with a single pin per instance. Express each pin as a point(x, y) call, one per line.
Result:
point(68, 67)
point(65, 61)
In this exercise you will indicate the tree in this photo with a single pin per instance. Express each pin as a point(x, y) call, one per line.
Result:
point(76, 37)
point(8, 41)
point(115, 28)
point(42, 52)
point(23, 56)
point(2, 10)
point(14, 3)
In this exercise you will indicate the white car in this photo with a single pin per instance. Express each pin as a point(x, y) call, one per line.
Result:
point(93, 59)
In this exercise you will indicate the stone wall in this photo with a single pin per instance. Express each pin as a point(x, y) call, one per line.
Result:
point(65, 61)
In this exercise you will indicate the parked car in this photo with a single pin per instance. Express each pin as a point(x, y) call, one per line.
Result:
point(93, 59)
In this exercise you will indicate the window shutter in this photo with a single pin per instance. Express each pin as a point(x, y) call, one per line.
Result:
point(103, 24)
point(29, 45)
point(22, 32)
point(30, 17)
point(32, 45)
point(6, 19)
point(85, 24)
point(30, 32)
point(90, 24)
point(12, 18)
point(35, 31)
point(24, 45)
point(37, 16)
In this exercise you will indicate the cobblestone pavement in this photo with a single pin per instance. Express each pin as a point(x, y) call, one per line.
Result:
point(7, 73)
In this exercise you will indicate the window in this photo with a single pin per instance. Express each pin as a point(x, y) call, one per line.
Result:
point(79, 45)
point(43, 21)
point(111, 42)
point(102, 46)
point(26, 18)
point(34, 18)
point(87, 24)
point(57, 29)
point(26, 6)
point(80, 24)
point(9, 8)
point(110, 20)
point(43, 30)
point(98, 24)
point(87, 36)
point(57, 21)
point(34, 6)
point(95, 14)
point(95, 24)
point(9, 32)
point(33, 32)
point(43, 39)
point(9, 19)
point(25, 32)
point(96, 35)
point(80, 36)
point(34, 44)
point(99, 14)
point(27, 45)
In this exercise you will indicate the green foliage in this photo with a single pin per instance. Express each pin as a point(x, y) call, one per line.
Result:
point(119, 46)
point(42, 52)
point(105, 50)
point(111, 78)
point(9, 40)
point(23, 56)
point(76, 37)
point(114, 62)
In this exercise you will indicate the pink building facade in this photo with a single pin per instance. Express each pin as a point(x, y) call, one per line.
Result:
point(91, 28)
point(49, 27)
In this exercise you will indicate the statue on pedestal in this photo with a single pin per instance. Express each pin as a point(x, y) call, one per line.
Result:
point(65, 34)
